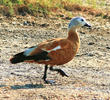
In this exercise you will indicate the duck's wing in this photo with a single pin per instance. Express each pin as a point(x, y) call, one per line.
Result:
point(40, 52)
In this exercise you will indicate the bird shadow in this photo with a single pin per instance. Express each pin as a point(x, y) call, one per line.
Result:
point(2, 86)
point(27, 86)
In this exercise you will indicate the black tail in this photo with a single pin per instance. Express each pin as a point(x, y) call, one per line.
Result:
point(18, 58)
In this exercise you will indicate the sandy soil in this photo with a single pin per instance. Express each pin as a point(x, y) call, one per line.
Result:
point(89, 71)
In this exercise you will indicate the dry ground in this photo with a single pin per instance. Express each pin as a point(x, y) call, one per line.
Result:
point(89, 71)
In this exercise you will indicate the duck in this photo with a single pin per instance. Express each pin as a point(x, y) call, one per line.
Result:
point(54, 52)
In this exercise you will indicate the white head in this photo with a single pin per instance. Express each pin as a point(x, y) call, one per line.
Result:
point(78, 22)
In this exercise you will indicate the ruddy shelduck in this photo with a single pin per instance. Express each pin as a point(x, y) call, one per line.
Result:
point(57, 51)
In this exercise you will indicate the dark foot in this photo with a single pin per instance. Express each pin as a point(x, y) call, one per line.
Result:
point(49, 81)
point(45, 76)
point(61, 72)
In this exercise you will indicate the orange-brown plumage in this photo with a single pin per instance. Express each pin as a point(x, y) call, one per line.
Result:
point(68, 50)
point(55, 51)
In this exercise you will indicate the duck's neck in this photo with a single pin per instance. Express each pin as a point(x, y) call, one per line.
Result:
point(73, 36)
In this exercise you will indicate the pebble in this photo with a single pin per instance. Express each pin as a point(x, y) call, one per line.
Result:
point(14, 23)
point(108, 47)
point(90, 54)
point(82, 32)
point(1, 17)
point(5, 24)
point(21, 24)
point(68, 18)
point(15, 45)
point(25, 23)
point(61, 15)
point(90, 43)
point(15, 18)
point(29, 23)
point(33, 23)
point(44, 25)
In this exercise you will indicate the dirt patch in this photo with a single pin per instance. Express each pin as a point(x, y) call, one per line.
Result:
point(89, 71)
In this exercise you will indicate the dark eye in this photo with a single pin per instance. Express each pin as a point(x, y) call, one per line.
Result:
point(82, 20)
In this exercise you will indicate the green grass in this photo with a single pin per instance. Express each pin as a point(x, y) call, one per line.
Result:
point(46, 6)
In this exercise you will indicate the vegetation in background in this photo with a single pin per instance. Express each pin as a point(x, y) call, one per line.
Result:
point(45, 7)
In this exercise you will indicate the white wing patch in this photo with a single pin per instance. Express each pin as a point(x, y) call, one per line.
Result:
point(28, 51)
point(54, 49)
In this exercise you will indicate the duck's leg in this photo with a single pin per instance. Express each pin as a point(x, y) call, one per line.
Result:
point(45, 76)
point(45, 73)
point(61, 72)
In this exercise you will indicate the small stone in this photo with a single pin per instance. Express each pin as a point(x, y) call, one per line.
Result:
point(108, 32)
point(14, 23)
point(26, 23)
point(90, 43)
point(68, 18)
point(11, 72)
point(61, 15)
point(82, 32)
point(108, 47)
point(14, 18)
point(21, 24)
point(90, 54)
point(15, 45)
point(44, 25)
point(103, 85)
point(1, 17)
point(33, 23)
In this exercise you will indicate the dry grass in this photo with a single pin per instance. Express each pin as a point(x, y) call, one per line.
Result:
point(47, 7)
